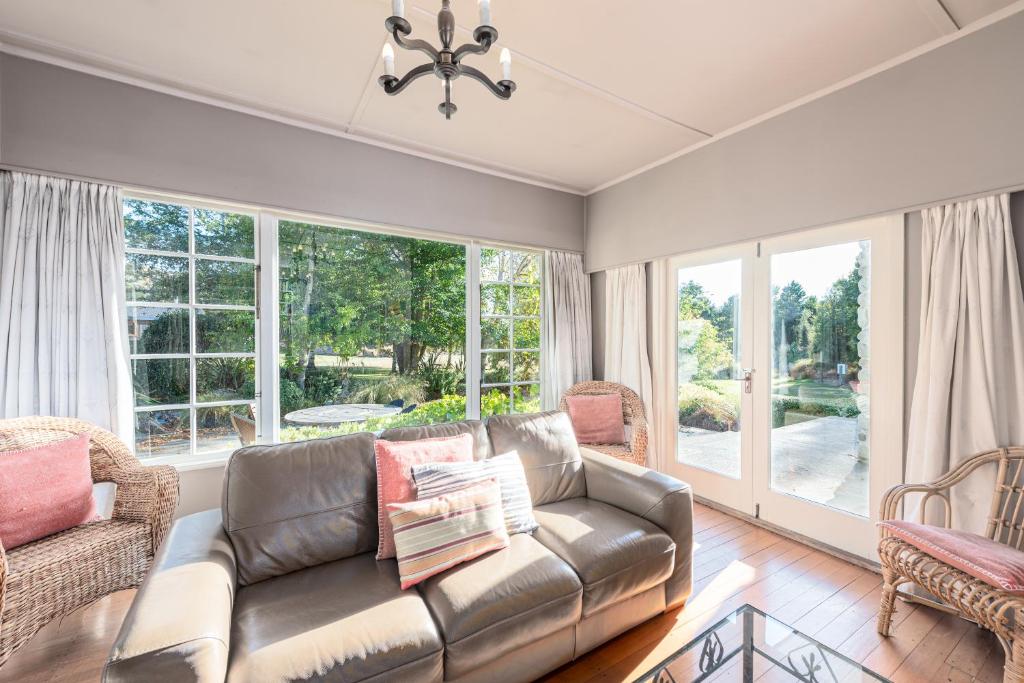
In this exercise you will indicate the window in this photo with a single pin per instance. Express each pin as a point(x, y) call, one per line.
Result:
point(371, 330)
point(190, 276)
point(510, 331)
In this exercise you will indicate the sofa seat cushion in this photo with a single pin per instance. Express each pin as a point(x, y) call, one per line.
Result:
point(501, 601)
point(994, 563)
point(343, 621)
point(616, 554)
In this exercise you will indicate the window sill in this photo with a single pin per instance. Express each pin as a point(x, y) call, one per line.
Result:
point(187, 463)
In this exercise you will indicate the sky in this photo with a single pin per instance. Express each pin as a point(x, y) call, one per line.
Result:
point(815, 269)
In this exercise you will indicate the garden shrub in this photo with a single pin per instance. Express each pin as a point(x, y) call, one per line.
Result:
point(705, 408)
point(408, 388)
point(804, 368)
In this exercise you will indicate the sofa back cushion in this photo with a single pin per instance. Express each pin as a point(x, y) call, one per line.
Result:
point(296, 505)
point(475, 428)
point(547, 447)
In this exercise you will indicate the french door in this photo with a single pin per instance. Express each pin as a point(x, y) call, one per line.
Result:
point(788, 366)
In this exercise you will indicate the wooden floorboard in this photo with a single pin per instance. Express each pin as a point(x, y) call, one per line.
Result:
point(734, 563)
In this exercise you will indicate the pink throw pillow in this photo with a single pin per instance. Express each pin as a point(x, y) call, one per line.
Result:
point(44, 490)
point(394, 475)
point(597, 419)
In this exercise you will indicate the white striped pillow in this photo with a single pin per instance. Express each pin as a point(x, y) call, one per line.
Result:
point(438, 478)
point(435, 534)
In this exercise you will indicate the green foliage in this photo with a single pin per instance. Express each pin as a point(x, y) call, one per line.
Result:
point(408, 388)
point(292, 396)
point(442, 380)
point(805, 368)
point(705, 334)
point(704, 407)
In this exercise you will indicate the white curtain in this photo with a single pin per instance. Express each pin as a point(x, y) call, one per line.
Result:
point(665, 418)
point(969, 391)
point(625, 353)
point(63, 323)
point(567, 328)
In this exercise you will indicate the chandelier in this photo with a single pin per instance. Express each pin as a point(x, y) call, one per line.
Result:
point(446, 63)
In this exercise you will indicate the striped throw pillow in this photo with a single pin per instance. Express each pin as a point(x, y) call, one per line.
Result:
point(435, 534)
point(437, 478)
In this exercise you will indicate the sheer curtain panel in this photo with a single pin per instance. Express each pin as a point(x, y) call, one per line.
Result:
point(566, 325)
point(63, 321)
point(969, 387)
point(625, 353)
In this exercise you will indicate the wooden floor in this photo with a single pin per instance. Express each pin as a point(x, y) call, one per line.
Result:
point(734, 563)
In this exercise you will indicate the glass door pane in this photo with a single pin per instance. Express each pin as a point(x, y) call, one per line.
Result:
point(708, 366)
point(820, 372)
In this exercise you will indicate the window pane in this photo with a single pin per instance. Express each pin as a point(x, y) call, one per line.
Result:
point(495, 401)
point(160, 381)
point(225, 379)
point(527, 334)
point(527, 301)
point(494, 333)
point(220, 233)
point(820, 433)
point(494, 299)
point(225, 282)
point(526, 398)
point(216, 433)
point(495, 368)
point(156, 278)
point(152, 329)
point(373, 331)
point(525, 267)
point(225, 331)
point(160, 433)
point(494, 266)
point(156, 226)
point(526, 367)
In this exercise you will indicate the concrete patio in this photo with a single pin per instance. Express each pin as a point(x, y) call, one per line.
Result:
point(815, 459)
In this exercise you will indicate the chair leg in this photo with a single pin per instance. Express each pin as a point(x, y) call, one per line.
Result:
point(888, 606)
point(1013, 669)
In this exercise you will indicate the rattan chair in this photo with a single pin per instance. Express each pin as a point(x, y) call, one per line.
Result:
point(55, 575)
point(633, 415)
point(988, 606)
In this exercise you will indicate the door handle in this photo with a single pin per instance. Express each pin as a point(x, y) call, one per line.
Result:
point(748, 380)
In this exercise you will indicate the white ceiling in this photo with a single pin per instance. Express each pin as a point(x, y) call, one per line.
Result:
point(605, 86)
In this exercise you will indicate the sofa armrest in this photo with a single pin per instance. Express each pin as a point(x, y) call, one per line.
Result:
point(178, 627)
point(656, 497)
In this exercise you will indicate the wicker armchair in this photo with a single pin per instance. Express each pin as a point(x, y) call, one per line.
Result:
point(633, 415)
point(55, 575)
point(988, 606)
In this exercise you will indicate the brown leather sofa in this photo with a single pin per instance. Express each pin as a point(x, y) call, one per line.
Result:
point(281, 584)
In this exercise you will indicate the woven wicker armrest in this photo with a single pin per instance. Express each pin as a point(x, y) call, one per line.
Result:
point(147, 494)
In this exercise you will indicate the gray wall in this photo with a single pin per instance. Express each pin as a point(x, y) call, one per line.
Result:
point(65, 122)
point(946, 124)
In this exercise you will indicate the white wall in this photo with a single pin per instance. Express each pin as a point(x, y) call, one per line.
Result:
point(943, 125)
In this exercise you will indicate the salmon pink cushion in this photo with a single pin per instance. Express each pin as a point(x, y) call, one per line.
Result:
point(597, 419)
point(394, 475)
point(44, 490)
point(994, 563)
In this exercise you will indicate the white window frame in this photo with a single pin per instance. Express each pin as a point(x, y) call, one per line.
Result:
point(267, 264)
point(193, 405)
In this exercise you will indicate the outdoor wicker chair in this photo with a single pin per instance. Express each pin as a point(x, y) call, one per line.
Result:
point(58, 574)
point(633, 415)
point(990, 607)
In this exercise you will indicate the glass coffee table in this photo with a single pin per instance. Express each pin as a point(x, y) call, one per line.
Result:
point(748, 645)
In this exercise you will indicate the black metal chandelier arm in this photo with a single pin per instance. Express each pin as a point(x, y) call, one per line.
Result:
point(394, 85)
point(416, 44)
point(484, 37)
point(501, 89)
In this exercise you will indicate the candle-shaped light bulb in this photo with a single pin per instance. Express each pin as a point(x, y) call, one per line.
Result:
point(485, 12)
point(398, 8)
point(388, 53)
point(506, 64)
